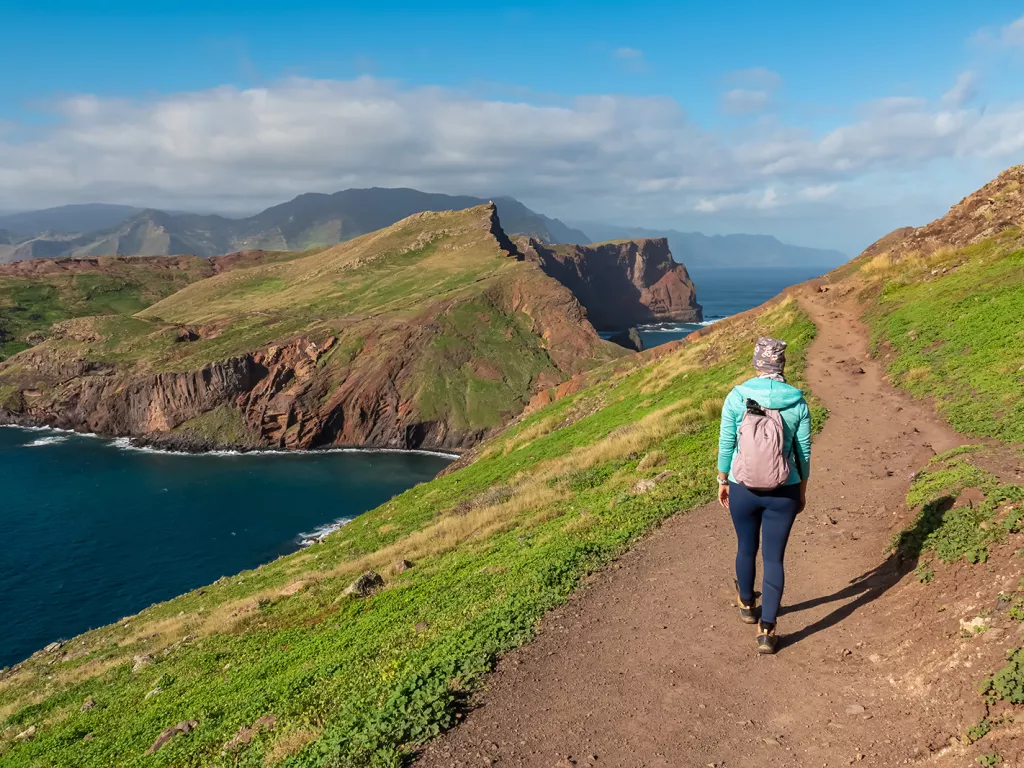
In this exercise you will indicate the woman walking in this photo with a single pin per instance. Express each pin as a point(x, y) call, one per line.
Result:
point(764, 461)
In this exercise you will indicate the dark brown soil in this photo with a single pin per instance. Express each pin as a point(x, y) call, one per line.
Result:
point(649, 664)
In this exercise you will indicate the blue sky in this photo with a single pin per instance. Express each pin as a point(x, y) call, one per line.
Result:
point(825, 124)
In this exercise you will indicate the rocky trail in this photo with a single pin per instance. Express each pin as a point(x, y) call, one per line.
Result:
point(649, 665)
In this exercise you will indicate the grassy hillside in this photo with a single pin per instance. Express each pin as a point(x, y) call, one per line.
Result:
point(944, 303)
point(950, 328)
point(32, 300)
point(389, 274)
point(358, 681)
point(424, 334)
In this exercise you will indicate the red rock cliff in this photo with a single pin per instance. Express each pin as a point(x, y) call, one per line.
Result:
point(620, 283)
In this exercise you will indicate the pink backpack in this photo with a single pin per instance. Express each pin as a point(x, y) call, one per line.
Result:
point(760, 462)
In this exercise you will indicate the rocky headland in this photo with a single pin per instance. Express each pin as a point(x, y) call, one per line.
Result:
point(426, 335)
point(621, 283)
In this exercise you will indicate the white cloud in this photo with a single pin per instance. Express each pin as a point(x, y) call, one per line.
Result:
point(752, 91)
point(766, 200)
point(1008, 36)
point(1012, 34)
point(609, 157)
point(891, 106)
point(963, 92)
point(631, 59)
point(741, 101)
point(818, 192)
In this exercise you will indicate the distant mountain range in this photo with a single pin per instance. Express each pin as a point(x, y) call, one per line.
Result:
point(306, 221)
point(703, 251)
point(318, 219)
point(68, 219)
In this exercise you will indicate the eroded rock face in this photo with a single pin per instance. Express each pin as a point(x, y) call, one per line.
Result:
point(75, 393)
point(620, 283)
point(284, 398)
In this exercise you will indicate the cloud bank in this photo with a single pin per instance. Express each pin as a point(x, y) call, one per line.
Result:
point(598, 156)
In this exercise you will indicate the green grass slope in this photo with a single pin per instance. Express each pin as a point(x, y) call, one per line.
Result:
point(391, 274)
point(944, 303)
point(360, 681)
point(950, 327)
point(35, 296)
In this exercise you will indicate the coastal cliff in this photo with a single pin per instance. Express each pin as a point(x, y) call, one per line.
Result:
point(621, 283)
point(425, 335)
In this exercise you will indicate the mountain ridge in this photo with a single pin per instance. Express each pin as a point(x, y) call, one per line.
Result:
point(984, 214)
point(318, 219)
point(308, 220)
point(67, 219)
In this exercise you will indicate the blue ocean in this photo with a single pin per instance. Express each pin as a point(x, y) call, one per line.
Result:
point(725, 292)
point(94, 531)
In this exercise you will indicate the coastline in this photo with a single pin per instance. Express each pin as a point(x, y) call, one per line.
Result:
point(193, 447)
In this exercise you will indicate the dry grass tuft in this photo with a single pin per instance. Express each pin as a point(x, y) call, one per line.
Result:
point(497, 494)
point(652, 460)
point(916, 374)
point(628, 439)
point(89, 670)
point(712, 408)
point(879, 263)
point(452, 530)
point(290, 743)
point(540, 428)
point(173, 626)
point(6, 710)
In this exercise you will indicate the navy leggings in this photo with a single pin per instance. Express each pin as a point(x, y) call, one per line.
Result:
point(769, 514)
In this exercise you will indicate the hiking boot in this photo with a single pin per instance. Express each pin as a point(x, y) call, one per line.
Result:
point(748, 613)
point(767, 640)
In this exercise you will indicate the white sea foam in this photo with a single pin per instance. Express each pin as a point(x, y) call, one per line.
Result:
point(47, 441)
point(317, 534)
point(677, 327)
point(44, 428)
point(125, 444)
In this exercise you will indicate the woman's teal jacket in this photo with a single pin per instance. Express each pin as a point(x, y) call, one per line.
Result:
point(796, 424)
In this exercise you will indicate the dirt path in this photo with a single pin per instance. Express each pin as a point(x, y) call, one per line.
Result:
point(650, 666)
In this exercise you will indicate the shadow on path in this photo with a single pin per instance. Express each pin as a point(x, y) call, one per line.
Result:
point(873, 584)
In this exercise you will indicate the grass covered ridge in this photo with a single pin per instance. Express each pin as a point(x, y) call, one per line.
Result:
point(434, 334)
point(30, 303)
point(952, 323)
point(358, 682)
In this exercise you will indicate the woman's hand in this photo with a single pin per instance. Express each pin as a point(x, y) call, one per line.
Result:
point(723, 495)
point(803, 497)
